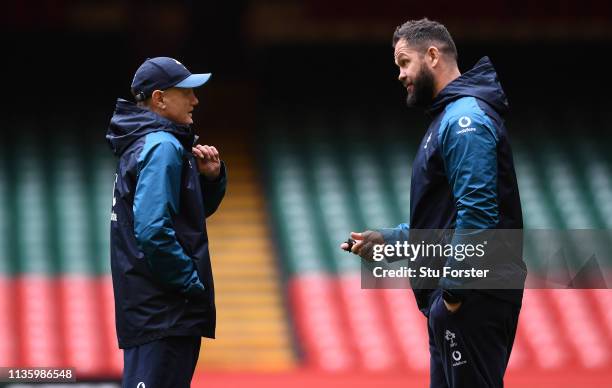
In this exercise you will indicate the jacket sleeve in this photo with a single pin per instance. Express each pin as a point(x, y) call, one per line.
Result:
point(213, 191)
point(156, 201)
point(469, 150)
point(470, 162)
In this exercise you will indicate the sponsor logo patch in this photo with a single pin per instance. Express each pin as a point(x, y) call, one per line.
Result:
point(466, 130)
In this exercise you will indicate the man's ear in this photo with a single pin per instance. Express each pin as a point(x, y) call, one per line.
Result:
point(157, 99)
point(433, 56)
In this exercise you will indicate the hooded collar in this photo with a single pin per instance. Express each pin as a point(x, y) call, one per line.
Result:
point(480, 82)
point(130, 122)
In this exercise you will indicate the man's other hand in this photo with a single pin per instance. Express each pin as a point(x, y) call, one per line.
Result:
point(452, 307)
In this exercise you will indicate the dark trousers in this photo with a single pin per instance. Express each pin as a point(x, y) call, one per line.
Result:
point(471, 347)
point(165, 363)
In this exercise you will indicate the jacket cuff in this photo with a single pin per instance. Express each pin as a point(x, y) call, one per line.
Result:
point(390, 235)
point(454, 295)
point(195, 291)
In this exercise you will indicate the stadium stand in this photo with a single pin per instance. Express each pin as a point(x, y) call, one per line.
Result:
point(288, 298)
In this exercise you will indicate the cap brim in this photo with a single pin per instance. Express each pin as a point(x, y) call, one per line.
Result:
point(193, 81)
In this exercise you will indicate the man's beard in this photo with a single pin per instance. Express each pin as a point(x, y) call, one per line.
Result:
point(422, 89)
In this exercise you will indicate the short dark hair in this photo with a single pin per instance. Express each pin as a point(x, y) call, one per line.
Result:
point(423, 33)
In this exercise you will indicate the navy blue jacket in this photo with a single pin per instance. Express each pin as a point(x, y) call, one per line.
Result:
point(162, 277)
point(463, 176)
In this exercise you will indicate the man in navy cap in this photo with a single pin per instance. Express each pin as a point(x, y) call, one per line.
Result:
point(165, 187)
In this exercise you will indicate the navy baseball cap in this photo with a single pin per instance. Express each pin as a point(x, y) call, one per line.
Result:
point(161, 73)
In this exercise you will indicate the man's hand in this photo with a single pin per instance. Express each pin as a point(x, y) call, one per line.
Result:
point(364, 245)
point(209, 163)
point(451, 307)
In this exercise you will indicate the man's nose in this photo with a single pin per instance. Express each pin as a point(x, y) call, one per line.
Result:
point(401, 77)
point(195, 101)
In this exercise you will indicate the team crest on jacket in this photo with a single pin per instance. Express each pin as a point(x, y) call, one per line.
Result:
point(465, 122)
